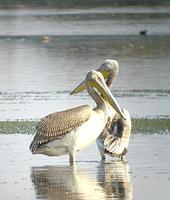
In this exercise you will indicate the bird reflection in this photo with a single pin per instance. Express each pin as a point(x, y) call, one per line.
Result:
point(115, 179)
point(68, 182)
point(64, 182)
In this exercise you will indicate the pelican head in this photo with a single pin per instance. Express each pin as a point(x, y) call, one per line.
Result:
point(95, 79)
point(109, 69)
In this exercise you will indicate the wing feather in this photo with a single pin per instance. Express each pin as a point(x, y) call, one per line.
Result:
point(56, 125)
point(115, 136)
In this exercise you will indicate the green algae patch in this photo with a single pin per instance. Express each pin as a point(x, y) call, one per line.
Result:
point(17, 127)
point(151, 126)
point(139, 126)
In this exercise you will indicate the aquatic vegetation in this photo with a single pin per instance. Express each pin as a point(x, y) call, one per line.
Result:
point(139, 126)
point(151, 126)
point(17, 127)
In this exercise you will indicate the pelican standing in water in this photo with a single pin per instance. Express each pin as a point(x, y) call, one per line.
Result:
point(114, 138)
point(71, 130)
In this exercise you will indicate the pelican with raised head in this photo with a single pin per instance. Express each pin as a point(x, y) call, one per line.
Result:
point(71, 130)
point(114, 138)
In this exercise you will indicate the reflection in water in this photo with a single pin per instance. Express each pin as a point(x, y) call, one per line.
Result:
point(115, 179)
point(66, 182)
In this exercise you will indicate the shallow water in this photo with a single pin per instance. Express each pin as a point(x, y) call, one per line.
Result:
point(46, 48)
point(36, 77)
point(41, 177)
point(103, 21)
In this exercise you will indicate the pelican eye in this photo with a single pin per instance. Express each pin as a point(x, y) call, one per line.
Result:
point(100, 79)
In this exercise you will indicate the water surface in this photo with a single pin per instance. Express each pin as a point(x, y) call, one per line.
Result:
point(36, 77)
point(46, 49)
point(41, 177)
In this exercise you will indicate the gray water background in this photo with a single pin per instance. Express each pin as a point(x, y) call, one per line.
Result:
point(47, 48)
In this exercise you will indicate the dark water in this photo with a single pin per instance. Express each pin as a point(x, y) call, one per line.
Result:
point(46, 49)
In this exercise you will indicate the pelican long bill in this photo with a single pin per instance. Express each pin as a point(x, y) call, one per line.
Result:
point(107, 95)
point(102, 87)
point(109, 69)
point(82, 86)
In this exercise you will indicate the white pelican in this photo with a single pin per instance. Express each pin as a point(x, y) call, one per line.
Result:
point(71, 130)
point(114, 139)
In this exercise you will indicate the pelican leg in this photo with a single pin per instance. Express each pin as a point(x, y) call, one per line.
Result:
point(123, 154)
point(101, 150)
point(103, 157)
point(122, 158)
point(72, 156)
point(72, 159)
point(102, 154)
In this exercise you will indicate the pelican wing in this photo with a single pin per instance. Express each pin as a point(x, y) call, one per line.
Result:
point(116, 136)
point(56, 125)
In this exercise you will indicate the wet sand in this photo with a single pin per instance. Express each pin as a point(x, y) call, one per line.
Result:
point(146, 174)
